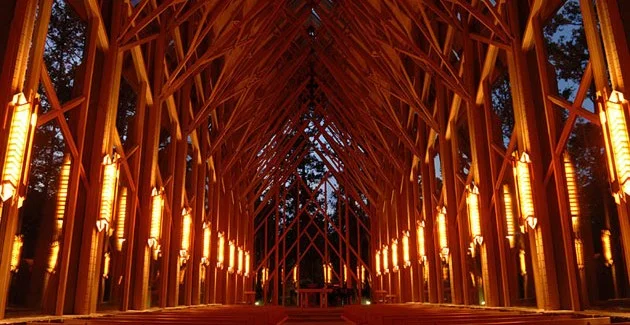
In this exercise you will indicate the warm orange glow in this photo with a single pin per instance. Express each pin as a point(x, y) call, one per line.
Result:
point(360, 273)
point(422, 253)
point(345, 273)
point(106, 262)
point(405, 249)
point(62, 194)
point(220, 250)
point(579, 253)
point(394, 247)
point(52, 258)
point(295, 274)
point(572, 191)
point(205, 258)
point(23, 122)
point(247, 263)
point(122, 216)
point(510, 229)
point(522, 262)
point(232, 251)
point(617, 140)
point(186, 229)
point(607, 248)
point(16, 253)
point(474, 221)
point(442, 233)
point(157, 207)
point(525, 195)
point(327, 272)
point(378, 263)
point(385, 253)
point(239, 265)
point(108, 191)
point(264, 275)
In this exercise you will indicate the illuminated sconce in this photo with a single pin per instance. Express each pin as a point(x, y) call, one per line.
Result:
point(378, 262)
point(264, 275)
point(239, 268)
point(579, 253)
point(108, 191)
point(607, 248)
point(220, 251)
point(295, 274)
point(422, 253)
point(405, 249)
point(16, 252)
point(62, 194)
point(442, 232)
point(522, 262)
point(472, 201)
point(385, 254)
point(122, 216)
point(205, 258)
point(360, 273)
point(327, 272)
point(394, 247)
point(106, 262)
point(525, 195)
point(157, 207)
point(574, 205)
point(21, 130)
point(617, 141)
point(52, 258)
point(510, 229)
point(345, 273)
point(232, 251)
point(247, 264)
point(186, 229)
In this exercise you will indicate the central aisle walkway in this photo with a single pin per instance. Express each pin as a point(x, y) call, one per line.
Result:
point(315, 316)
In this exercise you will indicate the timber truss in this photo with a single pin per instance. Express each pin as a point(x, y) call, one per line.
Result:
point(203, 194)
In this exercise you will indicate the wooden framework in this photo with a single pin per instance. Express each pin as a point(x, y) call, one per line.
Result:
point(220, 90)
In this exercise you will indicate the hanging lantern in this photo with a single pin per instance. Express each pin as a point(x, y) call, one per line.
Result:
point(239, 268)
point(19, 141)
point(205, 258)
point(16, 252)
point(157, 206)
point(617, 142)
point(607, 248)
point(579, 253)
point(574, 205)
point(522, 261)
point(385, 253)
point(106, 262)
point(247, 264)
point(474, 222)
point(108, 191)
point(232, 251)
point(62, 195)
point(422, 254)
point(377, 259)
point(405, 249)
point(220, 250)
point(53, 256)
point(295, 274)
point(525, 195)
point(394, 247)
point(186, 229)
point(510, 229)
point(122, 216)
point(442, 232)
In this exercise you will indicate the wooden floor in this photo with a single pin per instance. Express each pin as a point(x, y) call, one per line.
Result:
point(394, 314)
